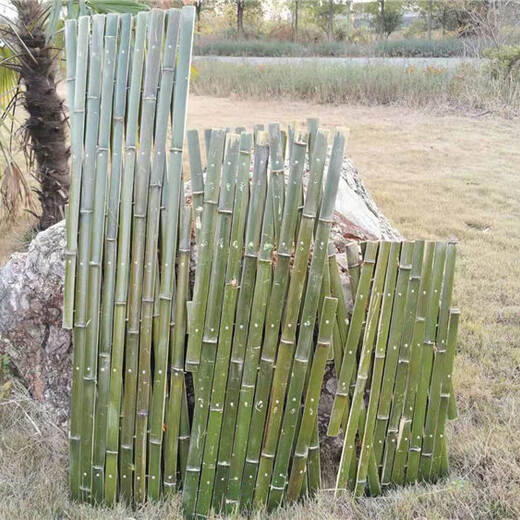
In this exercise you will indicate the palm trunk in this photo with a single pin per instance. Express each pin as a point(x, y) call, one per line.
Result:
point(46, 123)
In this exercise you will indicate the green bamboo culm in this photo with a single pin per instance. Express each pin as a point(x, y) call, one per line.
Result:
point(307, 320)
point(312, 397)
point(204, 501)
point(278, 293)
point(242, 318)
point(197, 179)
point(175, 190)
point(123, 260)
point(93, 478)
point(218, 242)
point(70, 305)
point(81, 324)
point(132, 397)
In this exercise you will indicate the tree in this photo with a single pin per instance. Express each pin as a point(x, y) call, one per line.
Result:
point(325, 12)
point(386, 16)
point(30, 62)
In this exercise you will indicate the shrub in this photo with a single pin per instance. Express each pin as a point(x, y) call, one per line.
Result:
point(504, 62)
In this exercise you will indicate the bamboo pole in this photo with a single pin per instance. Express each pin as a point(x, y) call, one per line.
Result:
point(308, 318)
point(339, 408)
point(366, 453)
point(177, 383)
point(253, 349)
point(218, 241)
point(392, 353)
point(205, 251)
point(275, 309)
point(77, 132)
point(439, 465)
point(161, 103)
point(85, 232)
point(277, 176)
point(245, 297)
point(353, 267)
point(278, 293)
point(401, 456)
point(308, 422)
point(313, 464)
point(139, 218)
point(401, 377)
point(90, 383)
point(438, 370)
point(123, 261)
point(196, 178)
point(376, 297)
point(226, 326)
point(421, 399)
point(174, 200)
point(71, 234)
point(110, 257)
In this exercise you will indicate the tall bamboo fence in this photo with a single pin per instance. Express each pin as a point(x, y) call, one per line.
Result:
point(205, 314)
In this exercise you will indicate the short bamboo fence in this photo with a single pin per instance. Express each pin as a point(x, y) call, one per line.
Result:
point(206, 380)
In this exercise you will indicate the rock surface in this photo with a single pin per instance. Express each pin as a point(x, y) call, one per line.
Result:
point(31, 300)
point(31, 295)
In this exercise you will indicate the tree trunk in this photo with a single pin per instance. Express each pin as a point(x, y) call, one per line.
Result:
point(296, 14)
point(331, 20)
point(198, 11)
point(240, 18)
point(430, 14)
point(46, 124)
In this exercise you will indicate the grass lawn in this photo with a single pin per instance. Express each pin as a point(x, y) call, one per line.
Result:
point(435, 177)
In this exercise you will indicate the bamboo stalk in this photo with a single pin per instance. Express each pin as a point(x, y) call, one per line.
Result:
point(226, 326)
point(277, 176)
point(245, 297)
point(421, 398)
point(313, 464)
point(401, 456)
point(197, 179)
point(161, 103)
point(376, 297)
point(308, 318)
point(313, 124)
point(253, 349)
point(273, 319)
point(139, 218)
point(90, 471)
point(392, 353)
point(339, 408)
point(401, 377)
point(85, 232)
point(71, 51)
point(439, 465)
point(177, 384)
point(110, 257)
point(367, 452)
point(73, 70)
point(174, 201)
point(438, 370)
point(278, 292)
point(353, 267)
point(308, 423)
point(211, 322)
point(205, 252)
point(77, 132)
point(123, 261)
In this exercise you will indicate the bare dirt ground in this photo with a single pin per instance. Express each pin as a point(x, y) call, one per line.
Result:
point(435, 177)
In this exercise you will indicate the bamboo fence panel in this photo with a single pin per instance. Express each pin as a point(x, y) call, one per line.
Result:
point(209, 382)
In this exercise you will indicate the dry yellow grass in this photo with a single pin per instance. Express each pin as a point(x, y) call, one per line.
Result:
point(435, 177)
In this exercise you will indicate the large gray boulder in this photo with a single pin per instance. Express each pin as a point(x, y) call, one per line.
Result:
point(31, 295)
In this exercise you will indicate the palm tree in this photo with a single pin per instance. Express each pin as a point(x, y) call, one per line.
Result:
point(31, 52)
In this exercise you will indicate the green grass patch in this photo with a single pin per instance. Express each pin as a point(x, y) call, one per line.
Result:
point(468, 87)
point(416, 47)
